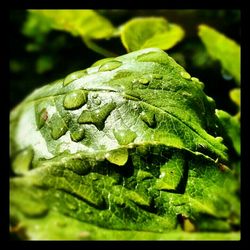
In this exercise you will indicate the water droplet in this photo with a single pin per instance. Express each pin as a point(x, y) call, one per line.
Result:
point(58, 126)
point(89, 106)
point(110, 65)
point(75, 99)
point(95, 95)
point(22, 161)
point(41, 118)
point(144, 81)
point(74, 76)
point(97, 101)
point(198, 82)
point(124, 136)
point(158, 56)
point(77, 133)
point(157, 76)
point(185, 75)
point(149, 118)
point(211, 101)
point(137, 198)
point(98, 116)
point(226, 75)
point(102, 61)
point(219, 139)
point(117, 156)
point(186, 94)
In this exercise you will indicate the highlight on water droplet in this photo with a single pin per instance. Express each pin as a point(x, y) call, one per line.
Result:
point(144, 80)
point(219, 139)
point(110, 65)
point(75, 99)
point(149, 118)
point(97, 101)
point(58, 126)
point(124, 136)
point(117, 156)
point(198, 82)
point(74, 76)
point(98, 116)
point(77, 133)
point(185, 75)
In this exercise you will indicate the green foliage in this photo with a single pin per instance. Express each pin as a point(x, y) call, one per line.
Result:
point(223, 49)
point(111, 147)
point(130, 148)
point(235, 96)
point(77, 22)
point(140, 33)
point(231, 126)
point(56, 226)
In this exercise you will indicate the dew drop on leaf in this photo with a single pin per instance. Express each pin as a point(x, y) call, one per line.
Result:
point(148, 118)
point(97, 101)
point(117, 156)
point(74, 76)
point(198, 82)
point(124, 136)
point(98, 116)
point(110, 65)
point(22, 162)
point(58, 126)
point(75, 99)
point(144, 81)
point(77, 134)
point(185, 75)
point(219, 138)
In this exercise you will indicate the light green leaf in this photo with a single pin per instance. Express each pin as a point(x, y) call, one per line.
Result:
point(231, 126)
point(139, 33)
point(235, 96)
point(77, 22)
point(223, 49)
point(110, 147)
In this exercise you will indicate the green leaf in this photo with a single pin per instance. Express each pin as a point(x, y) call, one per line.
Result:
point(223, 49)
point(77, 22)
point(109, 148)
point(55, 226)
point(139, 33)
point(231, 126)
point(235, 96)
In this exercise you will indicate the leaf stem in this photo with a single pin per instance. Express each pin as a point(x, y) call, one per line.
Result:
point(92, 45)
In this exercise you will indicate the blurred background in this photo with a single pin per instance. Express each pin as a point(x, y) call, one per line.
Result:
point(39, 56)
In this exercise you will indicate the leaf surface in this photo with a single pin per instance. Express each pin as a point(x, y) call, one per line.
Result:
point(223, 49)
point(130, 143)
point(147, 32)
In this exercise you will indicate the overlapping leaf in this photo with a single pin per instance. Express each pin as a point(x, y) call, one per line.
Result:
point(128, 144)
